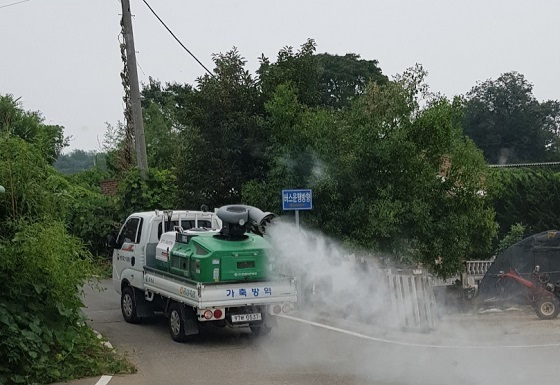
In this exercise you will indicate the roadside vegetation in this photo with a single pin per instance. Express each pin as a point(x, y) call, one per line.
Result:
point(395, 169)
point(44, 261)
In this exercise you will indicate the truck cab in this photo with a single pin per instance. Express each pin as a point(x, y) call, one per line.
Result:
point(135, 245)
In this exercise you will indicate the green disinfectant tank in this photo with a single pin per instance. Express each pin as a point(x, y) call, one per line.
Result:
point(237, 252)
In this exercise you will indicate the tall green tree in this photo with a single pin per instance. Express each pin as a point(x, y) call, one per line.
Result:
point(222, 139)
point(300, 68)
point(43, 338)
point(49, 140)
point(324, 80)
point(78, 160)
point(164, 110)
point(508, 124)
point(342, 78)
point(525, 196)
point(387, 174)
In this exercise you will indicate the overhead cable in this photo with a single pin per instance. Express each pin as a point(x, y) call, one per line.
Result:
point(178, 41)
point(16, 3)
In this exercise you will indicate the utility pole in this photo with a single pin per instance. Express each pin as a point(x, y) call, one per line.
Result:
point(137, 121)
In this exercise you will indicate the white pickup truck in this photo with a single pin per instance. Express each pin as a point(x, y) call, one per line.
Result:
point(184, 265)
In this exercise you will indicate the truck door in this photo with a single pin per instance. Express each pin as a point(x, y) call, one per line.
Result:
point(127, 256)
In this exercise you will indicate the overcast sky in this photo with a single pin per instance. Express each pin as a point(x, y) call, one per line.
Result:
point(62, 57)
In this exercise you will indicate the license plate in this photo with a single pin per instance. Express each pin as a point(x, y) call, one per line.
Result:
point(246, 317)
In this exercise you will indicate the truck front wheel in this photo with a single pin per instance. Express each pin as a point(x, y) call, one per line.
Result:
point(128, 305)
point(176, 323)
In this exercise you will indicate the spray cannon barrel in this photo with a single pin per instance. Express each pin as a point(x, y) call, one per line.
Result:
point(260, 219)
point(239, 218)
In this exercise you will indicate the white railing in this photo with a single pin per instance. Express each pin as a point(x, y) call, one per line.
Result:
point(412, 299)
point(477, 268)
point(394, 300)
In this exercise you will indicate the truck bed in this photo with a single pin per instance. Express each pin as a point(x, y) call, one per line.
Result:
point(208, 295)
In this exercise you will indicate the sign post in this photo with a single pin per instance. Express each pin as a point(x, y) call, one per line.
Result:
point(296, 200)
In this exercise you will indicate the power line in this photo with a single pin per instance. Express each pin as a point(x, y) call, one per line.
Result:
point(16, 3)
point(178, 41)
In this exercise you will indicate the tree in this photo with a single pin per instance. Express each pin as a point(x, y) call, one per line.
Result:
point(514, 235)
point(300, 68)
point(77, 161)
point(43, 338)
point(526, 196)
point(387, 175)
point(342, 78)
point(508, 124)
point(319, 79)
point(27, 178)
point(49, 140)
point(164, 108)
point(157, 191)
point(221, 135)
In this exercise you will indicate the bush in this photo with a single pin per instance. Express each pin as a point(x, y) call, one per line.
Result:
point(158, 191)
point(43, 337)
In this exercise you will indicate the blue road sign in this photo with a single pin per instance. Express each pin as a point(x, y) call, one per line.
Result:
point(297, 200)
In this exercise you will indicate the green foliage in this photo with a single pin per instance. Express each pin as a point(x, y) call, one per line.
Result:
point(78, 161)
point(114, 148)
point(514, 235)
point(26, 176)
point(509, 125)
point(89, 178)
point(48, 140)
point(158, 191)
point(91, 216)
point(222, 138)
point(164, 118)
point(386, 174)
point(299, 68)
point(323, 80)
point(43, 338)
point(221, 134)
point(342, 78)
point(525, 196)
point(35, 190)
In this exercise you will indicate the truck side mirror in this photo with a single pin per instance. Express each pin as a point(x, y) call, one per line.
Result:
point(112, 242)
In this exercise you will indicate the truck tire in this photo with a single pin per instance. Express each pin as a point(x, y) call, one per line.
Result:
point(260, 330)
point(128, 305)
point(176, 323)
point(547, 308)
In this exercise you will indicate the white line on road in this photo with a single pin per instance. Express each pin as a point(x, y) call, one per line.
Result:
point(104, 380)
point(412, 344)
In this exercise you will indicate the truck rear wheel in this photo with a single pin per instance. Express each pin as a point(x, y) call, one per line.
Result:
point(547, 308)
point(128, 306)
point(176, 323)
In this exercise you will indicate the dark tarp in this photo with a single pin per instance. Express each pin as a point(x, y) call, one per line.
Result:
point(541, 249)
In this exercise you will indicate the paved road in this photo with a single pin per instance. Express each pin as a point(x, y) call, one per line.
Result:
point(499, 349)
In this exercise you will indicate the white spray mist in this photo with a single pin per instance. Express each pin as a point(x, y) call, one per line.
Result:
point(332, 279)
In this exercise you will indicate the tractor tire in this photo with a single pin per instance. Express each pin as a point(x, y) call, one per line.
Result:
point(176, 323)
point(128, 306)
point(547, 308)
